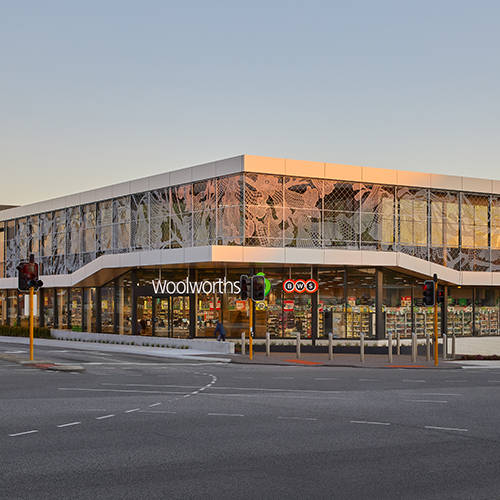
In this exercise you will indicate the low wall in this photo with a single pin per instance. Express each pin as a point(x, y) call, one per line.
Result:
point(212, 346)
point(483, 346)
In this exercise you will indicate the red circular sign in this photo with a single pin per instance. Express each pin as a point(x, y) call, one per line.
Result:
point(312, 286)
point(289, 286)
point(300, 286)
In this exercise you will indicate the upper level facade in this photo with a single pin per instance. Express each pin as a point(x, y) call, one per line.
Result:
point(307, 212)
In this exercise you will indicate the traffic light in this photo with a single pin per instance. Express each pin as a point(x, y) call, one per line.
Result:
point(440, 295)
point(429, 292)
point(244, 287)
point(28, 275)
point(258, 288)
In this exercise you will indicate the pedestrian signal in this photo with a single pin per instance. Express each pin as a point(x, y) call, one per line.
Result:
point(429, 292)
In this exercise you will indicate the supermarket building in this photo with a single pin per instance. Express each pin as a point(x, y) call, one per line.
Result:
point(162, 255)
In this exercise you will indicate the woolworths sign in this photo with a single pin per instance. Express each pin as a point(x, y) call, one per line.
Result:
point(187, 286)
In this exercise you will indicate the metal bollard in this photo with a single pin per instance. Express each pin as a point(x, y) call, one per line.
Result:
point(453, 347)
point(445, 346)
point(268, 344)
point(398, 344)
point(389, 346)
point(413, 347)
point(243, 343)
point(362, 347)
point(298, 345)
point(427, 347)
point(330, 346)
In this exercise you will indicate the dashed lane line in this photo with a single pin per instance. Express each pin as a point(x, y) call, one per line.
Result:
point(225, 415)
point(296, 418)
point(446, 428)
point(439, 401)
point(439, 394)
point(23, 433)
point(70, 424)
point(154, 404)
point(157, 411)
point(325, 378)
point(368, 422)
point(132, 410)
point(102, 417)
point(413, 380)
point(368, 379)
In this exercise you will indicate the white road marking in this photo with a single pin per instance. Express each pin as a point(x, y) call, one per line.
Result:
point(446, 428)
point(154, 404)
point(22, 433)
point(296, 418)
point(263, 389)
point(104, 416)
point(493, 381)
point(14, 352)
point(283, 378)
point(412, 380)
point(69, 425)
point(368, 379)
point(438, 394)
point(324, 378)
point(425, 401)
point(157, 411)
point(368, 422)
point(116, 390)
point(225, 415)
point(132, 410)
point(58, 351)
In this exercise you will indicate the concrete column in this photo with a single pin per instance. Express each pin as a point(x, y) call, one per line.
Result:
point(268, 344)
point(413, 347)
point(362, 347)
point(330, 346)
point(243, 343)
point(445, 346)
point(314, 311)
point(298, 345)
point(453, 347)
point(379, 300)
point(398, 344)
point(427, 347)
point(192, 307)
point(134, 301)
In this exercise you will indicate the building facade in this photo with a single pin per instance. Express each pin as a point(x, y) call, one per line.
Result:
point(369, 237)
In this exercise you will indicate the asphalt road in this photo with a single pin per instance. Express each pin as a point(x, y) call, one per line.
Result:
point(140, 427)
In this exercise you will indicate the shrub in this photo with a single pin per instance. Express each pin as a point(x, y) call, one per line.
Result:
point(23, 331)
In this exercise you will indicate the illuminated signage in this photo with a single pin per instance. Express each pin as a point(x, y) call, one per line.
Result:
point(183, 287)
point(300, 286)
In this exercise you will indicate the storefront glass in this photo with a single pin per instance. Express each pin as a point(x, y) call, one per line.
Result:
point(108, 308)
point(360, 302)
point(331, 304)
point(397, 306)
point(76, 308)
point(62, 308)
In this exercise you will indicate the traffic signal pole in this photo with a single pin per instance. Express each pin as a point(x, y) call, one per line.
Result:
point(250, 336)
point(436, 357)
point(31, 322)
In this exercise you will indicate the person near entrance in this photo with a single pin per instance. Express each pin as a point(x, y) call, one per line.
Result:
point(220, 331)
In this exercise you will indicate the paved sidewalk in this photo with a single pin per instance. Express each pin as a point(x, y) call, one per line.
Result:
point(342, 360)
point(160, 352)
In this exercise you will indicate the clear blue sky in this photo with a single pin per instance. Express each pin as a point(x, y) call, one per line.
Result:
point(96, 92)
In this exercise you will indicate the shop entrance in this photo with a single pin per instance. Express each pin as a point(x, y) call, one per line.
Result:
point(163, 315)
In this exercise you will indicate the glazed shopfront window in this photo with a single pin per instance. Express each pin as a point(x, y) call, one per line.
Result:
point(331, 303)
point(360, 304)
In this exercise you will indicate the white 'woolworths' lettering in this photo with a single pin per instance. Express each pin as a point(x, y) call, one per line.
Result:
point(163, 287)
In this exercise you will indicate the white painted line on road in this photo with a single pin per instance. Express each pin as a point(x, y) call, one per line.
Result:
point(116, 390)
point(22, 433)
point(494, 381)
point(69, 425)
point(296, 418)
point(132, 410)
point(154, 404)
point(368, 379)
point(283, 378)
point(325, 378)
point(14, 352)
point(104, 416)
point(425, 401)
point(439, 394)
point(225, 415)
point(59, 351)
point(157, 411)
point(455, 380)
point(369, 422)
point(446, 428)
point(413, 380)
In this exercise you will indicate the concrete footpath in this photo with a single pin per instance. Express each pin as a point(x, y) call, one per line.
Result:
point(342, 360)
point(158, 352)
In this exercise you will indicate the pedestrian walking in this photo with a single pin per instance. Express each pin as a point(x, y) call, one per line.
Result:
point(220, 331)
